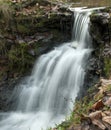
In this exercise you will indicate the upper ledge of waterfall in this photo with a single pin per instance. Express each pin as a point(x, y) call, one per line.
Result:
point(84, 9)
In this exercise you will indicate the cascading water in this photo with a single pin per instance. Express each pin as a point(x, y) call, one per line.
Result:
point(48, 94)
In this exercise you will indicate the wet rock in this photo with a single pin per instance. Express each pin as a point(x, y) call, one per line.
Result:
point(32, 52)
point(20, 41)
point(102, 18)
point(100, 39)
point(33, 28)
point(6, 90)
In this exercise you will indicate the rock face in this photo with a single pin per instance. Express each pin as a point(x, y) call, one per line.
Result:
point(100, 31)
point(31, 29)
point(28, 29)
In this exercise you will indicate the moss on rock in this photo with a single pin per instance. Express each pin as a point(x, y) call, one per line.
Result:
point(100, 32)
point(34, 23)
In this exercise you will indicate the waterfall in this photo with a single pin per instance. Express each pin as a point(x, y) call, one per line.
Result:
point(48, 95)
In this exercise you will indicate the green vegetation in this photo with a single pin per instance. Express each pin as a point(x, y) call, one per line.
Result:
point(19, 58)
point(107, 68)
point(5, 11)
point(22, 29)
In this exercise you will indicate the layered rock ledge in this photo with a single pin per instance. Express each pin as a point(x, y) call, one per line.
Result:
point(27, 30)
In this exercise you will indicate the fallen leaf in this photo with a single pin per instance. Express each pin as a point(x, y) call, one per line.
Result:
point(98, 105)
point(108, 94)
point(105, 82)
point(99, 124)
point(108, 102)
point(108, 113)
point(107, 119)
point(103, 114)
point(95, 115)
point(108, 126)
point(100, 94)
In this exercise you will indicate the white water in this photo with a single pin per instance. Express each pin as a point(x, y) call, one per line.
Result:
point(48, 94)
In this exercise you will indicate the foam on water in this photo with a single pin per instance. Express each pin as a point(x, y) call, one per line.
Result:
point(47, 96)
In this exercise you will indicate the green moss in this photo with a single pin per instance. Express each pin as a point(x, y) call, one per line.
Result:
point(107, 9)
point(53, 16)
point(19, 58)
point(91, 89)
point(94, 16)
point(40, 24)
point(22, 29)
point(64, 125)
point(107, 66)
point(3, 48)
point(109, 87)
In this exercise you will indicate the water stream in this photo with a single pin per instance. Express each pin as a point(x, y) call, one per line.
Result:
point(48, 95)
